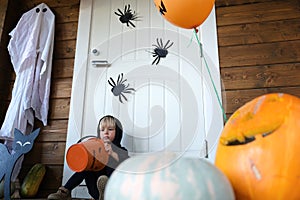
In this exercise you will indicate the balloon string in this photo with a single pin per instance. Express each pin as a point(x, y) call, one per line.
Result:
point(210, 76)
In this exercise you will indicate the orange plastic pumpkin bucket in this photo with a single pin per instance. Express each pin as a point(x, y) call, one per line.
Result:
point(89, 155)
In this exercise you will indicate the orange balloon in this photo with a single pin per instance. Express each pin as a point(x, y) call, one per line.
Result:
point(185, 13)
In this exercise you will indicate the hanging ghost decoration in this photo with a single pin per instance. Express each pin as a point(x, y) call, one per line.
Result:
point(31, 51)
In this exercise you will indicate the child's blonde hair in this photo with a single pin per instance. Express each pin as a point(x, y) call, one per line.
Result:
point(107, 122)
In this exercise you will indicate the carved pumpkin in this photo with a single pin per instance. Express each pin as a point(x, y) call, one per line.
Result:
point(167, 177)
point(258, 149)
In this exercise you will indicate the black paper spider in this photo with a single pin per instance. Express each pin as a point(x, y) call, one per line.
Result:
point(161, 50)
point(119, 88)
point(127, 16)
point(162, 8)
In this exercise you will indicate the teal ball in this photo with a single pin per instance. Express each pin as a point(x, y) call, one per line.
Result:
point(165, 176)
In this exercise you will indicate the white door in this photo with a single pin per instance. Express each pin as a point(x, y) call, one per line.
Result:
point(169, 103)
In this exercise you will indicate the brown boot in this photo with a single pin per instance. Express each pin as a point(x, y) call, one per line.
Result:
point(61, 194)
point(101, 183)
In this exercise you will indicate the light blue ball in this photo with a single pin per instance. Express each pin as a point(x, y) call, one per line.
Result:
point(165, 176)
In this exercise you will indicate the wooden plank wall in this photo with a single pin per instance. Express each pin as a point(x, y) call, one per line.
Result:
point(259, 50)
point(3, 79)
point(7, 21)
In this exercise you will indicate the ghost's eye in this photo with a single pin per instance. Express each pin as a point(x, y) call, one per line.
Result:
point(26, 143)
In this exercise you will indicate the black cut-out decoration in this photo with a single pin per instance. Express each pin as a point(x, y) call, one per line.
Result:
point(22, 144)
point(160, 50)
point(119, 87)
point(248, 139)
point(162, 8)
point(127, 16)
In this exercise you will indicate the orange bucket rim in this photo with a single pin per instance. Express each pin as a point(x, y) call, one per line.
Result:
point(81, 162)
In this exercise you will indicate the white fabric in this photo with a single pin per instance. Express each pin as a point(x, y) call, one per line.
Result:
point(31, 50)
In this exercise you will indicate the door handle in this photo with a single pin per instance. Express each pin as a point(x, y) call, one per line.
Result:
point(100, 63)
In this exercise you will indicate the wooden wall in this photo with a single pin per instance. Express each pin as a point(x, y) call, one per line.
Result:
point(259, 50)
point(7, 21)
point(3, 79)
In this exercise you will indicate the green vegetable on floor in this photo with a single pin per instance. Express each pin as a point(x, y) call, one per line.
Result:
point(32, 180)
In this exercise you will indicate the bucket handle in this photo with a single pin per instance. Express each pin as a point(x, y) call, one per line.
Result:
point(85, 137)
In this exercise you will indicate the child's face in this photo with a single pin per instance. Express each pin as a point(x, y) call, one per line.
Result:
point(107, 133)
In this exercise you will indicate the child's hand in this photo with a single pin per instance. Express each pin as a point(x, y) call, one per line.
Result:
point(108, 149)
point(107, 146)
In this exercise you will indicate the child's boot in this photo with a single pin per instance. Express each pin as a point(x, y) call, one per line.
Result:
point(61, 194)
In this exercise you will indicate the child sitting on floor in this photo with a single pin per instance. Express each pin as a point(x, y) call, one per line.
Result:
point(110, 130)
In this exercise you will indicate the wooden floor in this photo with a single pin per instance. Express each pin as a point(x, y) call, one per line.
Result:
point(46, 199)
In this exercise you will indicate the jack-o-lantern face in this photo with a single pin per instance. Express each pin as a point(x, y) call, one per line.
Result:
point(258, 148)
point(186, 14)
